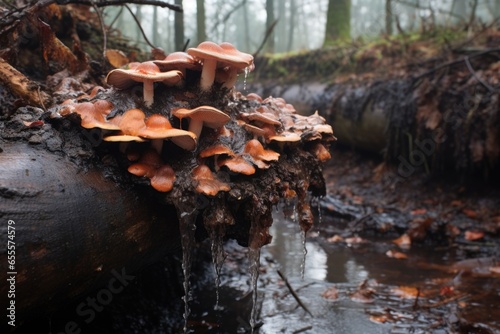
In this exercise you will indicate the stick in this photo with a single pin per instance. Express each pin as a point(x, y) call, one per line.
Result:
point(158, 3)
point(268, 33)
point(294, 294)
point(478, 78)
point(140, 27)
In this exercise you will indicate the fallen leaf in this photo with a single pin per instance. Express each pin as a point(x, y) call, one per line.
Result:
point(33, 124)
point(380, 319)
point(396, 255)
point(474, 235)
point(331, 293)
point(418, 212)
point(495, 270)
point(405, 292)
point(116, 58)
point(335, 238)
point(357, 200)
point(403, 241)
point(447, 291)
point(354, 240)
point(363, 296)
point(470, 213)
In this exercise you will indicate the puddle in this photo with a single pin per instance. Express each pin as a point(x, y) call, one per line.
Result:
point(387, 288)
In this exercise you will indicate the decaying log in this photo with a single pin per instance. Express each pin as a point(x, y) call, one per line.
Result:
point(73, 228)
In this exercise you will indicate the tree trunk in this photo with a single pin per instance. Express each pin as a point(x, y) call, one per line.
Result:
point(179, 28)
point(200, 21)
point(269, 21)
point(388, 17)
point(73, 228)
point(338, 21)
point(156, 35)
point(138, 15)
point(291, 24)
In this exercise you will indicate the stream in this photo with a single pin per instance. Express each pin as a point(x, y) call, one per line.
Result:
point(348, 287)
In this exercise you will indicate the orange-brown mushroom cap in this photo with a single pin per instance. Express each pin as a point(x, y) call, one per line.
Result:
point(203, 116)
point(237, 164)
point(223, 55)
point(163, 179)
point(148, 73)
point(206, 181)
point(260, 156)
point(178, 61)
point(159, 127)
point(93, 114)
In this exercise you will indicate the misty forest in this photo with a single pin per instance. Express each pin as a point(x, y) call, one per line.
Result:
point(250, 166)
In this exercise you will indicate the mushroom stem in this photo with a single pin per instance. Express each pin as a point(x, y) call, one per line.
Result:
point(208, 74)
point(148, 92)
point(157, 144)
point(232, 76)
point(195, 127)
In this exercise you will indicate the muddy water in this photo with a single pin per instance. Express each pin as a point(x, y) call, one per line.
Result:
point(472, 305)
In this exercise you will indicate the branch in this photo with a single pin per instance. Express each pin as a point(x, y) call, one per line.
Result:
point(294, 294)
point(140, 27)
point(268, 33)
point(478, 78)
point(158, 3)
point(228, 14)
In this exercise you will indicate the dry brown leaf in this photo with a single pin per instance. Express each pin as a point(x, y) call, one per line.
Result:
point(403, 241)
point(405, 292)
point(116, 58)
point(470, 213)
point(331, 293)
point(33, 124)
point(474, 235)
point(418, 212)
point(380, 319)
point(335, 238)
point(396, 255)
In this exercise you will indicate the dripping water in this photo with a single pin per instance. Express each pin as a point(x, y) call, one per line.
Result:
point(218, 257)
point(187, 226)
point(304, 254)
point(245, 79)
point(254, 264)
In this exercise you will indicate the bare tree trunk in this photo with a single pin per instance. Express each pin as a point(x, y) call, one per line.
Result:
point(179, 28)
point(200, 21)
point(138, 15)
point(269, 21)
point(246, 28)
point(292, 24)
point(156, 35)
point(388, 17)
point(338, 21)
point(281, 35)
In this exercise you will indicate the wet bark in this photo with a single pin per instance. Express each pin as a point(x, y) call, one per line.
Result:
point(73, 228)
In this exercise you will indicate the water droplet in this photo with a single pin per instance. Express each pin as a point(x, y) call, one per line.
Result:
point(304, 254)
point(245, 79)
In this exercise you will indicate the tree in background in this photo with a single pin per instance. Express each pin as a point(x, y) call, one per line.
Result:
point(338, 21)
point(179, 28)
point(201, 33)
point(269, 22)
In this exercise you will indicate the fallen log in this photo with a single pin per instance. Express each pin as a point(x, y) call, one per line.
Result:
point(73, 229)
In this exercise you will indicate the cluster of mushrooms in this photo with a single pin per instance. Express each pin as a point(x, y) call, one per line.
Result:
point(203, 131)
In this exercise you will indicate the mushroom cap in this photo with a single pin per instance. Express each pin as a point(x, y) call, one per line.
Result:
point(125, 78)
point(288, 137)
point(225, 53)
point(264, 117)
point(321, 152)
point(159, 127)
point(254, 129)
point(163, 179)
point(217, 149)
point(149, 162)
point(207, 183)
point(254, 97)
point(211, 117)
point(123, 138)
point(178, 60)
point(237, 164)
point(131, 122)
point(93, 114)
point(260, 155)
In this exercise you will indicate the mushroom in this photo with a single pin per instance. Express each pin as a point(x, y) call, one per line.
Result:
point(204, 115)
point(206, 182)
point(131, 123)
point(260, 156)
point(147, 73)
point(159, 128)
point(223, 55)
point(92, 114)
point(163, 179)
point(237, 164)
point(320, 151)
point(178, 61)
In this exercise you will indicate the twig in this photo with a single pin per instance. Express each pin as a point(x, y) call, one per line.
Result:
point(445, 301)
point(140, 27)
point(478, 78)
point(186, 45)
point(294, 294)
point(301, 330)
point(103, 28)
point(228, 14)
point(268, 33)
point(454, 62)
point(116, 17)
point(158, 3)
